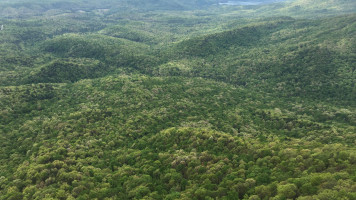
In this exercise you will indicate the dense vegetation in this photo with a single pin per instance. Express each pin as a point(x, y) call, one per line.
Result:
point(177, 100)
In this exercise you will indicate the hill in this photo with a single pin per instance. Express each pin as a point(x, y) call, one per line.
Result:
point(292, 57)
point(139, 137)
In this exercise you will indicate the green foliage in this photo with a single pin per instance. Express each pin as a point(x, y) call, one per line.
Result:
point(287, 191)
point(135, 100)
point(68, 70)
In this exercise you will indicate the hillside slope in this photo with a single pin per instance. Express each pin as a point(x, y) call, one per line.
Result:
point(138, 137)
point(312, 59)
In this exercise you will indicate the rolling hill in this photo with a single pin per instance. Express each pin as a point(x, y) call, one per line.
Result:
point(177, 99)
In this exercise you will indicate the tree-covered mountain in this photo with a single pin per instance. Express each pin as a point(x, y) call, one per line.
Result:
point(292, 57)
point(26, 8)
point(177, 100)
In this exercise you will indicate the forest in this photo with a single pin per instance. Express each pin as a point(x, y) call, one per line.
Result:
point(177, 99)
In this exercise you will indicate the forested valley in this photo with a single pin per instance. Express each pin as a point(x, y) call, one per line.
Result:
point(177, 99)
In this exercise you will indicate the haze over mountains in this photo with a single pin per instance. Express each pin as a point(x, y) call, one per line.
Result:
point(158, 99)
